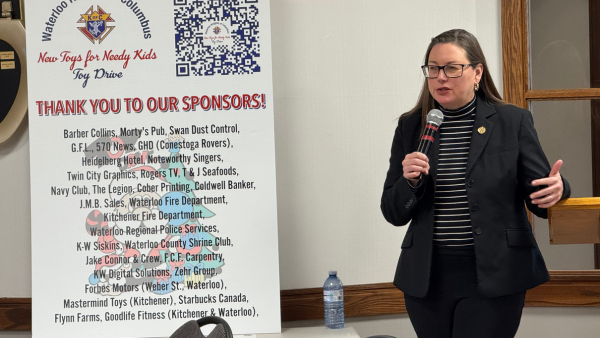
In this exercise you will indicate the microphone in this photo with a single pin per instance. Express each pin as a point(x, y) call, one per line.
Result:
point(434, 120)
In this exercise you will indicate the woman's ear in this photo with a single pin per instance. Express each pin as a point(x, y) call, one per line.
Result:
point(478, 72)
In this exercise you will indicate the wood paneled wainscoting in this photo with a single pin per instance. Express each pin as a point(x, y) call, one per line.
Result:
point(565, 288)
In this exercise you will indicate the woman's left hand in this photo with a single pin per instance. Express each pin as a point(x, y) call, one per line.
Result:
point(550, 195)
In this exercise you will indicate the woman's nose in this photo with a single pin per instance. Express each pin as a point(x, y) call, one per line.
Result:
point(442, 75)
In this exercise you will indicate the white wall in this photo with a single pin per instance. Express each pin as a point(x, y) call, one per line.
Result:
point(15, 215)
point(343, 71)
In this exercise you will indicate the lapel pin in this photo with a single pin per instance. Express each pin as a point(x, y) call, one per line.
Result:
point(481, 130)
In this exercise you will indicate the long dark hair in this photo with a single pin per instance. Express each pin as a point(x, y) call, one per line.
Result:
point(468, 42)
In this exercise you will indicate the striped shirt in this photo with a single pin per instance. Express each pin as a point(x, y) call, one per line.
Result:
point(452, 219)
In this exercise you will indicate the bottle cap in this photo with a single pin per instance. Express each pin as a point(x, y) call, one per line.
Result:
point(332, 272)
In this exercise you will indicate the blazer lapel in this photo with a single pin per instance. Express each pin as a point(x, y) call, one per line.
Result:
point(482, 129)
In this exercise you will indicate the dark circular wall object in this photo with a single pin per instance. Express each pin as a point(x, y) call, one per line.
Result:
point(10, 77)
point(13, 79)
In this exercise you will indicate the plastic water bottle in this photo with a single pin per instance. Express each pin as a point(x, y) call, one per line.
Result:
point(333, 297)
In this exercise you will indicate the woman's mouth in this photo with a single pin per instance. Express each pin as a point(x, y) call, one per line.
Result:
point(442, 90)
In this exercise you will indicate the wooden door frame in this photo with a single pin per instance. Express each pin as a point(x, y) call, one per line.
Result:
point(595, 105)
point(515, 62)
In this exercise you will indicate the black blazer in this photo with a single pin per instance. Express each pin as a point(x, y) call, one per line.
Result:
point(501, 164)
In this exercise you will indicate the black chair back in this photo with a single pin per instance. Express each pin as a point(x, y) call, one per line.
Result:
point(191, 329)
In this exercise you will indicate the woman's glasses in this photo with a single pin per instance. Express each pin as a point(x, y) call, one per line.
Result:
point(451, 70)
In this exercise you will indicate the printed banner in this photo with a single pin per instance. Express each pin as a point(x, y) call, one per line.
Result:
point(152, 166)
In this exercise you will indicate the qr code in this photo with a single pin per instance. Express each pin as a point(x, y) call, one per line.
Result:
point(216, 37)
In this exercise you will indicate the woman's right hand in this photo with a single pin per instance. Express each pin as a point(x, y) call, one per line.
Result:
point(413, 165)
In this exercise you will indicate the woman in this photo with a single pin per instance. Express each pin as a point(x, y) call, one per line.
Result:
point(469, 253)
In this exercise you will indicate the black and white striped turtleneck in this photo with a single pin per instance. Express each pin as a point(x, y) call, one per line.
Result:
point(452, 219)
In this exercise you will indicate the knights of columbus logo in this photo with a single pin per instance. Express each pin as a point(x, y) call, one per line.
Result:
point(96, 27)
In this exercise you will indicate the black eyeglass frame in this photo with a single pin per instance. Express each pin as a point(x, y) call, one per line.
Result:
point(443, 68)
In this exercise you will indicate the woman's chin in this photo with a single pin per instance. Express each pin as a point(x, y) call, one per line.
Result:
point(446, 102)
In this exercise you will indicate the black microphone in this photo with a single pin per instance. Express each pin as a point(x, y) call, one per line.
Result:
point(434, 121)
